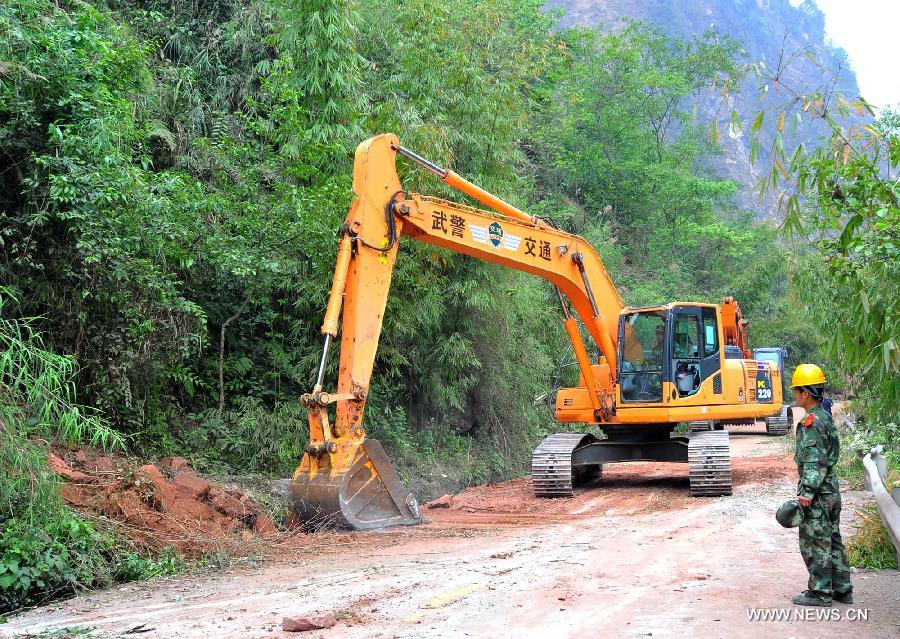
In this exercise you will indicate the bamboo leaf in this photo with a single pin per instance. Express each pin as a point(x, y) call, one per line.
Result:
point(757, 122)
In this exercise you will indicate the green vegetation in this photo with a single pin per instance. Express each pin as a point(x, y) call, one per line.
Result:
point(870, 546)
point(174, 176)
point(840, 200)
point(178, 175)
point(46, 550)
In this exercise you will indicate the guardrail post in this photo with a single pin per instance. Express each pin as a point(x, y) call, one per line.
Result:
point(880, 461)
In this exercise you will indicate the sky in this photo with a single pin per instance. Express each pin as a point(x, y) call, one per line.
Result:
point(867, 30)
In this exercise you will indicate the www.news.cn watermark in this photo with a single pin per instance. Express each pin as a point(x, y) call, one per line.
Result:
point(808, 614)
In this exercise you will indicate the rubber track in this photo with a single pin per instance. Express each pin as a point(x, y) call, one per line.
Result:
point(709, 459)
point(551, 465)
point(778, 425)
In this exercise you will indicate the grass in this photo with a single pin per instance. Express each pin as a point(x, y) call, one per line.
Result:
point(870, 546)
point(46, 549)
point(851, 470)
point(42, 381)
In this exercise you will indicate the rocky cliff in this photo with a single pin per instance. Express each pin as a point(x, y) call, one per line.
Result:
point(769, 30)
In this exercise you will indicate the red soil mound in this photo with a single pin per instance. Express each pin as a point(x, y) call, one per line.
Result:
point(166, 504)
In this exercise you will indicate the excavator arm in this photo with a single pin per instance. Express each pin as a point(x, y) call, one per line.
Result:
point(344, 477)
point(735, 326)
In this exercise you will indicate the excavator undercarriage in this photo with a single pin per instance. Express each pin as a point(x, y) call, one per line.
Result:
point(563, 460)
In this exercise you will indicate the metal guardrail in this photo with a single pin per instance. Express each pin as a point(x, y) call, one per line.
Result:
point(888, 503)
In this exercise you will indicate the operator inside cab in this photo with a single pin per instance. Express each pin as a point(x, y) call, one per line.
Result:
point(647, 357)
point(686, 356)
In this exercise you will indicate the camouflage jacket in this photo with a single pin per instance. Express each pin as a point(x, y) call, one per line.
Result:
point(816, 454)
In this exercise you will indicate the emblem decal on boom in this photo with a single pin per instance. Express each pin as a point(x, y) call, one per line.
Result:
point(493, 235)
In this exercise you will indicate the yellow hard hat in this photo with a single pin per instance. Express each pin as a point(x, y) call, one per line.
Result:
point(807, 375)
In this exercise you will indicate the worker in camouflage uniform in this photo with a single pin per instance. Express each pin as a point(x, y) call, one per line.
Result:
point(818, 494)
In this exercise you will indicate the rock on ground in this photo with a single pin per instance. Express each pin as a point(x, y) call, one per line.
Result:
point(445, 501)
point(303, 624)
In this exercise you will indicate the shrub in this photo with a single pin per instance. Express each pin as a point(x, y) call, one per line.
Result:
point(47, 550)
point(870, 546)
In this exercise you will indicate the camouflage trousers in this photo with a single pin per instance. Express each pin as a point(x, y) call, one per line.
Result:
point(822, 548)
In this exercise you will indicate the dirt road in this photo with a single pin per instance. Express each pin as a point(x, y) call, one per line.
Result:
point(631, 556)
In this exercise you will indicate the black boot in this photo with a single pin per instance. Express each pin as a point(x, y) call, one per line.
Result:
point(843, 597)
point(809, 599)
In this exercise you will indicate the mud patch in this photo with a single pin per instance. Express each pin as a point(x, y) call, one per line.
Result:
point(623, 489)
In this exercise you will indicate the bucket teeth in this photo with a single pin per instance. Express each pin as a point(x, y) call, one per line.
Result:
point(366, 496)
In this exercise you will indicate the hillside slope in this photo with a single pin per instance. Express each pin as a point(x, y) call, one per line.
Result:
point(770, 31)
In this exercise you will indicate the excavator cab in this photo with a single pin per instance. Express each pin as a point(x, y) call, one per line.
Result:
point(677, 343)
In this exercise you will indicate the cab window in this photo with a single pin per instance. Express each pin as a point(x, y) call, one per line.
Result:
point(686, 355)
point(710, 332)
point(686, 337)
point(642, 356)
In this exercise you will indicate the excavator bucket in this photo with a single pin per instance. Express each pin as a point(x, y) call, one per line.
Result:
point(363, 493)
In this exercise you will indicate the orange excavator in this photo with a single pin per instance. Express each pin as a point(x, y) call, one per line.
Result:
point(657, 366)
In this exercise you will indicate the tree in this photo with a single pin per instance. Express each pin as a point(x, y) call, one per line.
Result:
point(841, 197)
